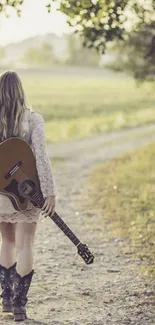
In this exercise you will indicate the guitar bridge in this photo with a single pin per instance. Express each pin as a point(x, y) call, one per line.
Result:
point(13, 170)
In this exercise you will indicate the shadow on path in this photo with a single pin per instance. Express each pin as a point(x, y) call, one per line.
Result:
point(31, 321)
point(34, 322)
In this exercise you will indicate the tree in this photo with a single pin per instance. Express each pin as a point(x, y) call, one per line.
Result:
point(135, 55)
point(43, 55)
point(16, 4)
point(101, 22)
point(128, 24)
point(78, 55)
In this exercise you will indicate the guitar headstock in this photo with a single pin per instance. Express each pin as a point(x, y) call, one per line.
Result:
point(85, 253)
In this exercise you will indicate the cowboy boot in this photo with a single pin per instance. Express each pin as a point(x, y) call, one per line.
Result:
point(21, 287)
point(6, 280)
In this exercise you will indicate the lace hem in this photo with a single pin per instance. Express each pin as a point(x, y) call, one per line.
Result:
point(27, 216)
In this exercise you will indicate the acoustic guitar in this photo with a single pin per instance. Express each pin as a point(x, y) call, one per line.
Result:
point(19, 181)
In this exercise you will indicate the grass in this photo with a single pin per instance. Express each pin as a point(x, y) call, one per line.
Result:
point(79, 107)
point(124, 191)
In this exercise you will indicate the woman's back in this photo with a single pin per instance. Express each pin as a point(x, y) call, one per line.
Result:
point(19, 121)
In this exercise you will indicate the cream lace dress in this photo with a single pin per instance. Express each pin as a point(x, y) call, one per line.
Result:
point(33, 127)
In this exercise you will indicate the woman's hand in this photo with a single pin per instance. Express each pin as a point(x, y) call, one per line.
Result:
point(49, 206)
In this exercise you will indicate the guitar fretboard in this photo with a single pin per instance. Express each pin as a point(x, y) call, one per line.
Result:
point(39, 201)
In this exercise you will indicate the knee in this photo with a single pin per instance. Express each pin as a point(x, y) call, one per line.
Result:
point(25, 241)
point(8, 238)
point(25, 236)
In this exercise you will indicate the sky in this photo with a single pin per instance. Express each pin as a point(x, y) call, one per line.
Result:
point(32, 22)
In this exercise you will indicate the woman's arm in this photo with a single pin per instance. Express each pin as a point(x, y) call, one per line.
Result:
point(42, 160)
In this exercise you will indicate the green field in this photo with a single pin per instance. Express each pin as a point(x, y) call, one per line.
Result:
point(123, 190)
point(77, 107)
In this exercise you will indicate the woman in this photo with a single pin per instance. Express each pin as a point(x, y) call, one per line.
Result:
point(18, 228)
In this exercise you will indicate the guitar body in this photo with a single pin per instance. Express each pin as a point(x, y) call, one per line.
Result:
point(16, 159)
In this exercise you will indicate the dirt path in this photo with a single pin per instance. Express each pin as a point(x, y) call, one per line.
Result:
point(64, 290)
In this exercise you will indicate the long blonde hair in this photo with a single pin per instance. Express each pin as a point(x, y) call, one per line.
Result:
point(13, 105)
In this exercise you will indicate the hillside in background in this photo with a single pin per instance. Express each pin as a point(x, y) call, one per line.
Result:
point(14, 53)
point(47, 50)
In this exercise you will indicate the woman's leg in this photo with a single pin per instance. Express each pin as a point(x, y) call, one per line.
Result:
point(7, 264)
point(24, 238)
point(7, 252)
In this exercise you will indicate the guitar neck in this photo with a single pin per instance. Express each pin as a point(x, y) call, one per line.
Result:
point(58, 221)
point(67, 231)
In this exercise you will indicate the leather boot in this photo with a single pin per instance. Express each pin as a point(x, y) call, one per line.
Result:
point(6, 280)
point(21, 287)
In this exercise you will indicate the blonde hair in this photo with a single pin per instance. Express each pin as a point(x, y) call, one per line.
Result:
point(13, 105)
